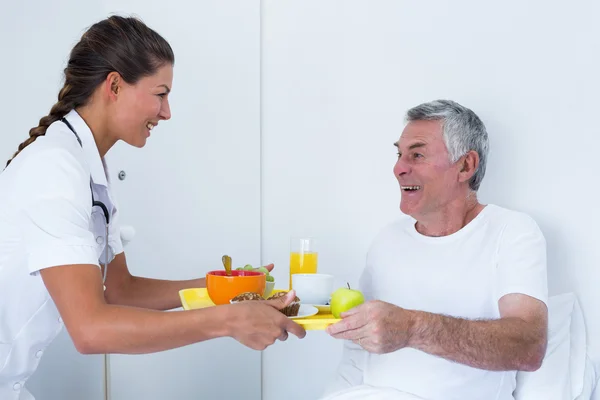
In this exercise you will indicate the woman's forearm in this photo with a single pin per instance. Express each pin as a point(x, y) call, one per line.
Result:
point(130, 330)
point(155, 294)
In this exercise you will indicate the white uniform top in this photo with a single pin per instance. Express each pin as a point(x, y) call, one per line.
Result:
point(47, 219)
point(462, 275)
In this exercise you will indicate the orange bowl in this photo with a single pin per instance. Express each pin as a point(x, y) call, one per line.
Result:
point(222, 288)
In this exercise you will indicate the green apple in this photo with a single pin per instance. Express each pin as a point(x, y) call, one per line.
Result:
point(344, 299)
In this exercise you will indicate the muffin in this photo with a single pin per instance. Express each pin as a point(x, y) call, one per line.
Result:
point(247, 296)
point(292, 309)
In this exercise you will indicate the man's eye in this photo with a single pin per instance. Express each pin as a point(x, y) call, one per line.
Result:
point(399, 154)
point(418, 155)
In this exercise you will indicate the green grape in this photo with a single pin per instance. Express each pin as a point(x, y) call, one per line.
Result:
point(248, 267)
point(270, 278)
point(262, 269)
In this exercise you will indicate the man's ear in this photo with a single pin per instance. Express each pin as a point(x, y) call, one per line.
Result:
point(468, 165)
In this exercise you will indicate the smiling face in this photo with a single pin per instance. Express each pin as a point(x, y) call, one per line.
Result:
point(139, 107)
point(428, 179)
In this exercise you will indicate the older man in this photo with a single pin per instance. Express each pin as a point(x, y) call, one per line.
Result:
point(457, 289)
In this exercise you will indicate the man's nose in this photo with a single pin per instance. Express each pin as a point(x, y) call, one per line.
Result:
point(401, 167)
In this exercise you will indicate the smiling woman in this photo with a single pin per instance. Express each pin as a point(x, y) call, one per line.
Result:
point(122, 70)
point(117, 82)
point(137, 110)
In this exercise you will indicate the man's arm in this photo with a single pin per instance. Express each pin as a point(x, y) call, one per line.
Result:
point(516, 341)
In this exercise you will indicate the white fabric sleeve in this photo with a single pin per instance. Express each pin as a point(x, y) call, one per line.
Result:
point(54, 217)
point(521, 264)
point(351, 368)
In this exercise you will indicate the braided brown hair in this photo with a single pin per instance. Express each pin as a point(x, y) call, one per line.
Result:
point(116, 44)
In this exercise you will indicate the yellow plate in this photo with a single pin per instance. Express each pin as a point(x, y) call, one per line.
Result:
point(195, 298)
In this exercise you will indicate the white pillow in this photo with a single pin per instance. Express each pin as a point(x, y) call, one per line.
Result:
point(562, 372)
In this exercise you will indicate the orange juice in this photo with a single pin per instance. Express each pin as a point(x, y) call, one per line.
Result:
point(303, 263)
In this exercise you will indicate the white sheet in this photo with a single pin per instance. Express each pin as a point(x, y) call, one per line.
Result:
point(590, 381)
point(365, 392)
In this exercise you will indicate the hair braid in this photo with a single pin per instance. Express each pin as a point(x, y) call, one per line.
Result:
point(58, 111)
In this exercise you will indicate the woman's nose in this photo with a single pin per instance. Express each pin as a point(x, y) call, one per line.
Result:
point(165, 111)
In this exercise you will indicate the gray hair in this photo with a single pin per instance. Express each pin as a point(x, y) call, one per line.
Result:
point(463, 131)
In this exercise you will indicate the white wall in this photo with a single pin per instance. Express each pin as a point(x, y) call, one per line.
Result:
point(337, 78)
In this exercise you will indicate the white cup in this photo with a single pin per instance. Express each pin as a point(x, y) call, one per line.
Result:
point(313, 288)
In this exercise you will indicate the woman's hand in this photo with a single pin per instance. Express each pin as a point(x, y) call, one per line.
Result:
point(257, 324)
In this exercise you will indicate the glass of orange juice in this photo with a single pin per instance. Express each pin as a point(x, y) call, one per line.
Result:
point(303, 257)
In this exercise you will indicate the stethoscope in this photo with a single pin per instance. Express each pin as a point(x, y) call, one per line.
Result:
point(95, 203)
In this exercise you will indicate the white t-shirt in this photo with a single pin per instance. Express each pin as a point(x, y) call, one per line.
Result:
point(47, 219)
point(463, 275)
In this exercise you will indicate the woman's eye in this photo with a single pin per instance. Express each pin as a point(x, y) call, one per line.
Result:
point(161, 95)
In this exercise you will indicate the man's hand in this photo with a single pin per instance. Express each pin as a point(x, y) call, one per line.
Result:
point(376, 326)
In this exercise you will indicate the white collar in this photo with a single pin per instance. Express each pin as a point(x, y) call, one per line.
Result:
point(90, 149)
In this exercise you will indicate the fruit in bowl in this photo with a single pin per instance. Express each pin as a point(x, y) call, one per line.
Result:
point(270, 280)
point(249, 267)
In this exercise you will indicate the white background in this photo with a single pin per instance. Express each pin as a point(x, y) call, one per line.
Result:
point(284, 115)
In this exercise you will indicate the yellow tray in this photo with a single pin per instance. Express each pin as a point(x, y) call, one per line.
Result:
point(195, 298)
